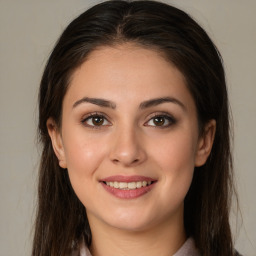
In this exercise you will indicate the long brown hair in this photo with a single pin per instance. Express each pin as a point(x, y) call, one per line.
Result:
point(61, 220)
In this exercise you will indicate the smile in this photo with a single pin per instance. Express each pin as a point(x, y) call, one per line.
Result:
point(128, 185)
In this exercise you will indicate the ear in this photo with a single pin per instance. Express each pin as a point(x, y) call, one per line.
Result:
point(205, 143)
point(57, 143)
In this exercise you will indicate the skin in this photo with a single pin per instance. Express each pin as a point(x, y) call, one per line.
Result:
point(130, 141)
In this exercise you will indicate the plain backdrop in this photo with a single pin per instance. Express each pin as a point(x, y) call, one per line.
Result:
point(28, 31)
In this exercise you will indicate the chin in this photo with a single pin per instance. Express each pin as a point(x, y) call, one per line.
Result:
point(132, 221)
point(132, 225)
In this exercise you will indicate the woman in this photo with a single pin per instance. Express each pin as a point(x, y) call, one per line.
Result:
point(134, 122)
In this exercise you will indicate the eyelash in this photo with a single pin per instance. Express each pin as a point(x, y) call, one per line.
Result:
point(166, 118)
point(95, 115)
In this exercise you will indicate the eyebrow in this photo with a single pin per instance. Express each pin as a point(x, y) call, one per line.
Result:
point(143, 105)
point(158, 101)
point(96, 101)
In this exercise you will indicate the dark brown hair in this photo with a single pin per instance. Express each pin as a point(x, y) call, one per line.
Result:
point(61, 220)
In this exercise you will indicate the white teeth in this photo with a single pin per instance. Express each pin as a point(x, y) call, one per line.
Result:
point(128, 185)
point(123, 185)
point(139, 184)
point(132, 185)
point(116, 184)
point(144, 183)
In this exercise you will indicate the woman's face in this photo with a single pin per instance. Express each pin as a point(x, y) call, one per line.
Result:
point(129, 138)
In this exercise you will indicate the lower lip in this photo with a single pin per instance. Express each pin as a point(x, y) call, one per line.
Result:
point(128, 194)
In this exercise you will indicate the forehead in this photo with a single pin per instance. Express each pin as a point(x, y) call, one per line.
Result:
point(127, 71)
point(127, 58)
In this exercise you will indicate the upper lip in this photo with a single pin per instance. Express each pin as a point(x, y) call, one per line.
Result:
point(133, 178)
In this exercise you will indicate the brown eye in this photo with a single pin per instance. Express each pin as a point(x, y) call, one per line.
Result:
point(159, 121)
point(96, 121)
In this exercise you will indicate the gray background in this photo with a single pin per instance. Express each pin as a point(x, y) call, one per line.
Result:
point(28, 31)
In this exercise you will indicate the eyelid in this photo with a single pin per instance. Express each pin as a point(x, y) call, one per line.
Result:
point(172, 120)
point(95, 114)
point(168, 116)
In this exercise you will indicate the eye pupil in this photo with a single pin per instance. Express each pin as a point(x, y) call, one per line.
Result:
point(159, 121)
point(97, 120)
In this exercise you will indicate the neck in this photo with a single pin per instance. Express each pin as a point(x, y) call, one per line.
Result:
point(158, 240)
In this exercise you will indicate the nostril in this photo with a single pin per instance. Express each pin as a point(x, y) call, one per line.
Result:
point(117, 161)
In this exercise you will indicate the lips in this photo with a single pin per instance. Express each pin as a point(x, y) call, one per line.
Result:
point(128, 187)
point(121, 178)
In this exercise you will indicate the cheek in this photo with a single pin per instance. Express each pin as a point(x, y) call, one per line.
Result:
point(83, 159)
point(175, 153)
point(177, 167)
point(83, 156)
point(176, 159)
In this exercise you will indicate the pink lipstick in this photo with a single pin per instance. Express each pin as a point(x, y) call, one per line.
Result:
point(128, 187)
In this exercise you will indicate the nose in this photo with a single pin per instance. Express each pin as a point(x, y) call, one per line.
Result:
point(127, 147)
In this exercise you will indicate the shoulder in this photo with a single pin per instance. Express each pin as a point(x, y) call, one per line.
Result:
point(82, 250)
point(188, 249)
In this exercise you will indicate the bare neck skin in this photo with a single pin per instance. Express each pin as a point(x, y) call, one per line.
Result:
point(164, 239)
